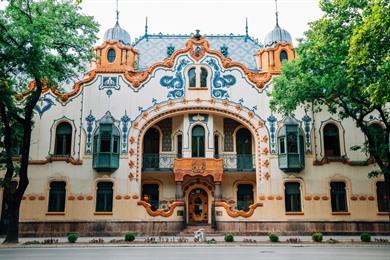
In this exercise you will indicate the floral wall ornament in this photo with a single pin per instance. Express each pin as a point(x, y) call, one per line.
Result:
point(125, 129)
point(175, 84)
point(220, 82)
point(271, 120)
point(306, 121)
point(90, 119)
point(43, 105)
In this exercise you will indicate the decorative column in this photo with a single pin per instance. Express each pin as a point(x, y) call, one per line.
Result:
point(179, 191)
point(217, 192)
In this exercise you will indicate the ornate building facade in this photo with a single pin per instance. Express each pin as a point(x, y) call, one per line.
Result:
point(176, 130)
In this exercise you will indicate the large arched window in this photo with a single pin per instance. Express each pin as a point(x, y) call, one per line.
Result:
point(331, 140)
point(151, 149)
point(104, 195)
point(378, 141)
point(57, 196)
point(283, 56)
point(244, 150)
point(198, 141)
point(192, 77)
point(244, 196)
point(63, 140)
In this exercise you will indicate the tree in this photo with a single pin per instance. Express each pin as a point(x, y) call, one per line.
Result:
point(343, 64)
point(45, 42)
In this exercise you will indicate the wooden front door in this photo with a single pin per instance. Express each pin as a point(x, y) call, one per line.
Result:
point(198, 206)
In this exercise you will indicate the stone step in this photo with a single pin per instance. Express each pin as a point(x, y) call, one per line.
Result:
point(189, 230)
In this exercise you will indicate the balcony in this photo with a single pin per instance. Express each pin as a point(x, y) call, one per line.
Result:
point(238, 162)
point(105, 161)
point(291, 162)
point(158, 162)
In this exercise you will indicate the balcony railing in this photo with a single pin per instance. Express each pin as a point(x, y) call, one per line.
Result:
point(158, 162)
point(238, 162)
point(105, 162)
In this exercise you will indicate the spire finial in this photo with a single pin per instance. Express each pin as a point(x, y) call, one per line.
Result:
point(246, 26)
point(276, 13)
point(146, 26)
point(117, 11)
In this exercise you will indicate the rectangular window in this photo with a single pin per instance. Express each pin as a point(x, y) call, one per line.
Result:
point(105, 140)
point(282, 147)
point(292, 197)
point(179, 146)
point(57, 196)
point(383, 200)
point(338, 197)
point(104, 196)
point(150, 194)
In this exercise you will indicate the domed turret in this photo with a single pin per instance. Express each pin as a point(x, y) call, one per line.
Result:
point(117, 34)
point(277, 35)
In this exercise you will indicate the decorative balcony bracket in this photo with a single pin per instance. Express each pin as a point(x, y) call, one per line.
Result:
point(198, 167)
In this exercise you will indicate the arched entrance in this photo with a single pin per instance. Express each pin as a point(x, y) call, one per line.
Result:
point(244, 149)
point(198, 206)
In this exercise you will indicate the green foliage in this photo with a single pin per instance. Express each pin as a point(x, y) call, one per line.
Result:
point(229, 237)
point(365, 237)
point(274, 238)
point(317, 237)
point(72, 237)
point(129, 237)
point(343, 65)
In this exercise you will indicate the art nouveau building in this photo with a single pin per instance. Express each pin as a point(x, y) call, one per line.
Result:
point(175, 130)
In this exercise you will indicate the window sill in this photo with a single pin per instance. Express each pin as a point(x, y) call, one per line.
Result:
point(198, 88)
point(295, 213)
point(103, 213)
point(55, 213)
point(382, 213)
point(341, 213)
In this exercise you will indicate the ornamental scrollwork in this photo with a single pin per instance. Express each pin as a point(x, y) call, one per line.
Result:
point(220, 83)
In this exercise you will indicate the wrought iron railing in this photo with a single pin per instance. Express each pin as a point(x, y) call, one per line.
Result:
point(158, 162)
point(238, 162)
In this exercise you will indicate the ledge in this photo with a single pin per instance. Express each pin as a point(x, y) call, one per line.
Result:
point(55, 214)
point(383, 213)
point(341, 213)
point(53, 158)
point(238, 213)
point(295, 213)
point(344, 160)
point(160, 212)
point(103, 213)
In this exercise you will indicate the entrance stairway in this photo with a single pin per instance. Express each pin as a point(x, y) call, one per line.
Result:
point(190, 229)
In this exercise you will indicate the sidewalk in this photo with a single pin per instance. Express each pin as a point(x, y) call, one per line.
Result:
point(172, 241)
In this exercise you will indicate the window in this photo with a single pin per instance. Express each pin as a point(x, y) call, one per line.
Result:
point(331, 141)
point(244, 196)
point(292, 195)
point(150, 194)
point(283, 56)
point(198, 77)
point(192, 77)
point(179, 146)
point(203, 77)
point(198, 141)
point(63, 140)
point(104, 196)
point(57, 196)
point(377, 134)
point(216, 146)
point(338, 197)
point(382, 198)
point(111, 55)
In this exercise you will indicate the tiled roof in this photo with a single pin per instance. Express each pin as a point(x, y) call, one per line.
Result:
point(153, 48)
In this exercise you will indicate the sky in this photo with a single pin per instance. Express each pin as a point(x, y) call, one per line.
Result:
point(209, 16)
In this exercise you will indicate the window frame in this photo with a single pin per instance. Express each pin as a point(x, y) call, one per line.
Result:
point(104, 209)
point(62, 206)
point(63, 141)
point(286, 196)
point(336, 194)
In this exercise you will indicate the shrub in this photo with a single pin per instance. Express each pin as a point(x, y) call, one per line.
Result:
point(229, 238)
point(365, 237)
point(129, 237)
point(317, 237)
point(274, 238)
point(72, 237)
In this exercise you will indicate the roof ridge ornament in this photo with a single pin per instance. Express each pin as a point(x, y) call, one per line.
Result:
point(146, 26)
point(276, 13)
point(197, 35)
point(117, 12)
point(246, 27)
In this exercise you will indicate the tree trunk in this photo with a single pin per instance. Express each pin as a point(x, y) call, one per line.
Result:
point(387, 193)
point(13, 221)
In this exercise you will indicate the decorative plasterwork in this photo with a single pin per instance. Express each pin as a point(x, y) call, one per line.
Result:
point(198, 167)
point(160, 212)
point(51, 159)
point(238, 213)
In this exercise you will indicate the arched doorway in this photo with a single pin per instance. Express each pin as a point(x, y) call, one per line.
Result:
point(151, 149)
point(198, 206)
point(244, 149)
